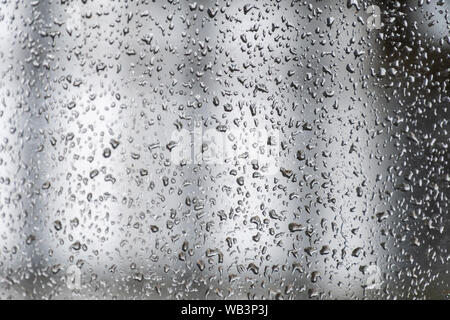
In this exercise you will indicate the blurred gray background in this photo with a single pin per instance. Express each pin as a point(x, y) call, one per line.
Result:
point(93, 91)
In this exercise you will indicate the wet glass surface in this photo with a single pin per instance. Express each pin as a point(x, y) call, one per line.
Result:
point(224, 149)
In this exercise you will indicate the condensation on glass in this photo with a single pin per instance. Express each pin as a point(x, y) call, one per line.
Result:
point(224, 150)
